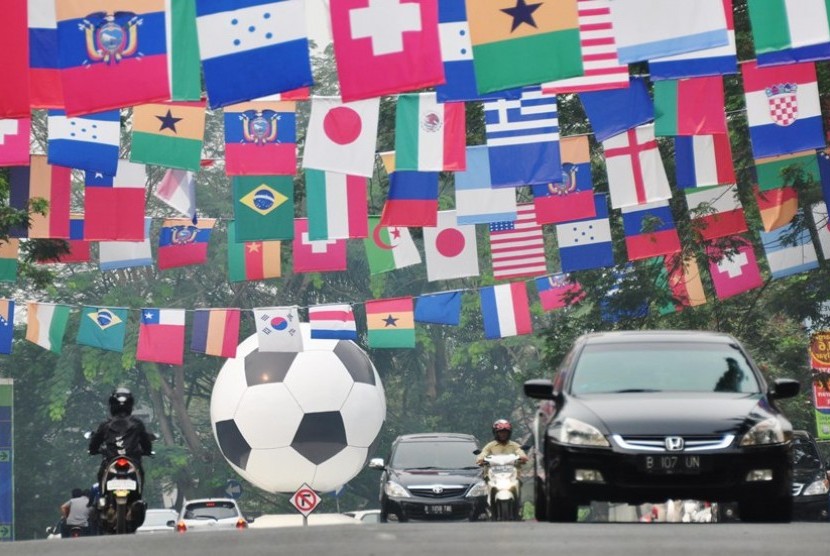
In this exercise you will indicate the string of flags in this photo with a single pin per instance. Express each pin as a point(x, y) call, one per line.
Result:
point(469, 51)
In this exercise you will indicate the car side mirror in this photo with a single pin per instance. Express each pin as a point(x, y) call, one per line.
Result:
point(783, 388)
point(376, 463)
point(540, 389)
point(171, 523)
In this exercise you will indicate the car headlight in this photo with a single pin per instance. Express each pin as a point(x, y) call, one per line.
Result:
point(816, 487)
point(578, 433)
point(768, 431)
point(393, 489)
point(479, 489)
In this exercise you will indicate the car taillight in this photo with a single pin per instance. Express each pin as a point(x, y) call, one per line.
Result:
point(122, 463)
point(181, 527)
point(241, 524)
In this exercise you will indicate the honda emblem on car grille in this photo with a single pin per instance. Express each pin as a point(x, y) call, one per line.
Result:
point(674, 443)
point(437, 489)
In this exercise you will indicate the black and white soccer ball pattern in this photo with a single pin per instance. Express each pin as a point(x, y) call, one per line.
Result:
point(284, 419)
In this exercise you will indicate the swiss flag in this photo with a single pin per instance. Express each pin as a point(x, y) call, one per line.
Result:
point(385, 46)
point(341, 136)
point(733, 271)
point(14, 142)
point(323, 255)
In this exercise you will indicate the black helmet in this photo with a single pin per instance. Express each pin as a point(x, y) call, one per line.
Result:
point(121, 402)
point(502, 425)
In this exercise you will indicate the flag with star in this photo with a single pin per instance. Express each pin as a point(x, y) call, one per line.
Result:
point(391, 323)
point(6, 325)
point(253, 260)
point(103, 328)
point(263, 207)
point(522, 42)
point(169, 134)
point(261, 138)
point(161, 336)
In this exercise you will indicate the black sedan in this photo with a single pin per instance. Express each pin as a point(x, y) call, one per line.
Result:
point(646, 416)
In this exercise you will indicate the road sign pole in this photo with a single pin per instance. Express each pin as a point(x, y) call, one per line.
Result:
point(305, 521)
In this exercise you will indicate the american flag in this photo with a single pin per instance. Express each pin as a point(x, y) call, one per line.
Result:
point(518, 248)
point(599, 53)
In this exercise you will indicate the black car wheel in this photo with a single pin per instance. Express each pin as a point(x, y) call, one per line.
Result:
point(384, 514)
point(560, 507)
point(540, 503)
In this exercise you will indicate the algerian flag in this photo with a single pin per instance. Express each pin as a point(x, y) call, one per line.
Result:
point(389, 248)
point(46, 324)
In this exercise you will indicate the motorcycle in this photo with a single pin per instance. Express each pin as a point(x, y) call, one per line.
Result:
point(502, 480)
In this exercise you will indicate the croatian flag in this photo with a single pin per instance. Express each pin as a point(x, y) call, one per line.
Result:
point(506, 310)
point(649, 230)
point(252, 48)
point(332, 322)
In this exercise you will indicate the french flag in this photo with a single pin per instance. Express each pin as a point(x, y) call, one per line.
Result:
point(649, 230)
point(703, 160)
point(506, 310)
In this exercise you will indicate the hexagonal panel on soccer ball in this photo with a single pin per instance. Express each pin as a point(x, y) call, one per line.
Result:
point(227, 390)
point(267, 416)
point(339, 469)
point(363, 414)
point(278, 470)
point(319, 381)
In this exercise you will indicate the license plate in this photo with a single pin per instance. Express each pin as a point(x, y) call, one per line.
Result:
point(438, 510)
point(121, 484)
point(672, 464)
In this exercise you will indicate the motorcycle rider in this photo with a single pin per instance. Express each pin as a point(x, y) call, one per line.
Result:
point(121, 435)
point(501, 445)
point(75, 512)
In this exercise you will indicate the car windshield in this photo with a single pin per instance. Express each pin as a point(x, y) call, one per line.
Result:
point(210, 510)
point(805, 454)
point(661, 367)
point(153, 519)
point(434, 455)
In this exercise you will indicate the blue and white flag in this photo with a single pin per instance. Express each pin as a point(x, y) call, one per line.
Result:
point(114, 255)
point(457, 55)
point(89, 142)
point(603, 108)
point(439, 308)
point(476, 202)
point(252, 48)
point(789, 252)
point(523, 139)
point(586, 244)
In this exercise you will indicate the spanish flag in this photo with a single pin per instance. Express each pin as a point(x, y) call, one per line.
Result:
point(169, 134)
point(391, 323)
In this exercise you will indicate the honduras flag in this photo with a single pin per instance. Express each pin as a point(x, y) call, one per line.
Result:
point(89, 142)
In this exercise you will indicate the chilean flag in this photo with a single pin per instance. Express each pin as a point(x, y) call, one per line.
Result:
point(506, 310)
point(161, 336)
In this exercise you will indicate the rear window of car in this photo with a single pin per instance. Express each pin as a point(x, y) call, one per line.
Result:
point(661, 367)
point(210, 510)
point(446, 454)
point(152, 519)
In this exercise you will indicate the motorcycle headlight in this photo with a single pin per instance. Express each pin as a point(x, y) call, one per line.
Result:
point(816, 487)
point(577, 433)
point(479, 489)
point(393, 489)
point(768, 431)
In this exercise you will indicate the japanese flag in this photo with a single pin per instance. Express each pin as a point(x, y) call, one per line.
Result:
point(451, 250)
point(341, 136)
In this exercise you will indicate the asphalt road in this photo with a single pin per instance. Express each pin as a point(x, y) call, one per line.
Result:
point(460, 539)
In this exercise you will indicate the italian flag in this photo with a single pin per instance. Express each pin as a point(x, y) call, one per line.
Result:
point(46, 325)
point(689, 106)
point(430, 136)
point(337, 205)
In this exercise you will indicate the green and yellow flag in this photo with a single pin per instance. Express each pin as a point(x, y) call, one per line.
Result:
point(9, 250)
point(103, 327)
point(169, 134)
point(263, 207)
point(391, 323)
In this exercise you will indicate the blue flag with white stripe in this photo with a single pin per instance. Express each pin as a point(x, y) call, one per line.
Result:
point(89, 142)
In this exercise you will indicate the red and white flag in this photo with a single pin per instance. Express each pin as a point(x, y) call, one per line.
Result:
point(341, 136)
point(636, 174)
point(178, 190)
point(385, 46)
point(451, 250)
point(161, 336)
point(14, 142)
point(735, 271)
point(603, 69)
point(717, 210)
point(518, 248)
point(324, 255)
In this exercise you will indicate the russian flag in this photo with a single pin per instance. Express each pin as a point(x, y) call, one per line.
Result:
point(506, 310)
point(702, 160)
point(649, 230)
point(161, 336)
point(44, 70)
point(412, 200)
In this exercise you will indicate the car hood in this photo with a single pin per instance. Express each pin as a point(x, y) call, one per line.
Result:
point(411, 477)
point(662, 413)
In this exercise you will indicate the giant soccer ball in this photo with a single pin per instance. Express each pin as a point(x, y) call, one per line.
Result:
point(284, 419)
